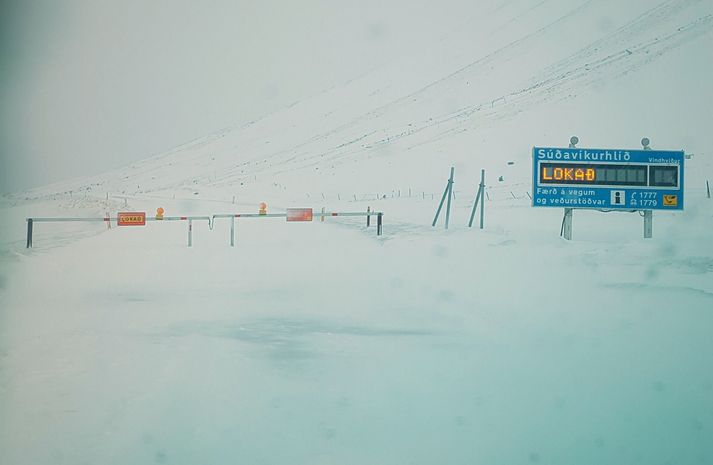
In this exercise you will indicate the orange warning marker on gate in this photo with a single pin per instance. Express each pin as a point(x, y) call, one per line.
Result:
point(300, 214)
point(131, 219)
point(159, 213)
point(263, 208)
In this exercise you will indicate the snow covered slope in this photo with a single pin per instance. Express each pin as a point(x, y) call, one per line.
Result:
point(320, 343)
point(517, 75)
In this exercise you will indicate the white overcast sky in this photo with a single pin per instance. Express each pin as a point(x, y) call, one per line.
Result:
point(91, 85)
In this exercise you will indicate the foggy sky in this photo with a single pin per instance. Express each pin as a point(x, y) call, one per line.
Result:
point(90, 85)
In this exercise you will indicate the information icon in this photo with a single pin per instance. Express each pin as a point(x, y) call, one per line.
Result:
point(618, 198)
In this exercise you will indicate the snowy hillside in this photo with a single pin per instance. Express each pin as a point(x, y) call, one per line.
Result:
point(321, 343)
point(491, 85)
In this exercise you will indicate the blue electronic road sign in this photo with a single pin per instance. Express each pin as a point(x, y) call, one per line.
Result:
point(606, 179)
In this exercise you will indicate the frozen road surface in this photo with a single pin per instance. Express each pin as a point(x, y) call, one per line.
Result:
point(320, 343)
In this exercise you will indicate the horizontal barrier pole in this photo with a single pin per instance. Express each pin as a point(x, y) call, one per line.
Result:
point(179, 218)
point(206, 218)
point(165, 218)
point(284, 215)
point(251, 215)
point(47, 220)
point(348, 214)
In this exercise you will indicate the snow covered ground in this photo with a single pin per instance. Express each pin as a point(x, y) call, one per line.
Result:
point(321, 343)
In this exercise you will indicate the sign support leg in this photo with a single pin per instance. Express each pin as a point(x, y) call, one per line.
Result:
point(232, 231)
point(450, 195)
point(378, 224)
point(190, 233)
point(648, 224)
point(482, 202)
point(29, 233)
point(475, 207)
point(567, 224)
point(443, 199)
point(440, 205)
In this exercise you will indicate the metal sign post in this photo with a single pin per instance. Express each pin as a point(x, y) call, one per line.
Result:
point(446, 193)
point(475, 207)
point(648, 224)
point(450, 195)
point(566, 231)
point(479, 199)
point(482, 200)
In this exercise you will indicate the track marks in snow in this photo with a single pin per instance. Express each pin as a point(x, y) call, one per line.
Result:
point(626, 50)
point(288, 340)
point(666, 290)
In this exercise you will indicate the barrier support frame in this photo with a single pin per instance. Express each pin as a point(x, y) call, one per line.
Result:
point(211, 221)
point(29, 233)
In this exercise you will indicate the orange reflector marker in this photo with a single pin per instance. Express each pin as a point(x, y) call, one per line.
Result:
point(131, 219)
point(159, 213)
point(299, 214)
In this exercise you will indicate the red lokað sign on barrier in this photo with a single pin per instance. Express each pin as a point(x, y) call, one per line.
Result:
point(131, 219)
point(299, 214)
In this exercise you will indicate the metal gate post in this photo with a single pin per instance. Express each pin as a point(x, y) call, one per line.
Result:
point(190, 233)
point(648, 224)
point(378, 224)
point(368, 217)
point(232, 231)
point(29, 233)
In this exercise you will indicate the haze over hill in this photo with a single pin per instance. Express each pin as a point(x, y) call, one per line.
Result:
point(516, 75)
point(90, 86)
